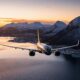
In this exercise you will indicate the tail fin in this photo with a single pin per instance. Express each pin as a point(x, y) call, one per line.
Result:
point(38, 36)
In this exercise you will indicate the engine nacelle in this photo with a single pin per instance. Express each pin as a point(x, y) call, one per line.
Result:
point(47, 53)
point(57, 53)
point(32, 53)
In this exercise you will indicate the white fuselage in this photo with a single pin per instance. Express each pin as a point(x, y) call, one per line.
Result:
point(43, 47)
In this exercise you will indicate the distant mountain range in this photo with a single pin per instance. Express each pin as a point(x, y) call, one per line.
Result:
point(69, 35)
point(57, 33)
point(4, 21)
point(24, 27)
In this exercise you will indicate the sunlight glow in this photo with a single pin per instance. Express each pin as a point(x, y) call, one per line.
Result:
point(45, 10)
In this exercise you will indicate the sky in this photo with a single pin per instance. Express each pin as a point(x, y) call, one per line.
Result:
point(50, 10)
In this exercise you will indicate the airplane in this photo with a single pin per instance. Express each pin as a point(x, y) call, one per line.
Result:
point(43, 48)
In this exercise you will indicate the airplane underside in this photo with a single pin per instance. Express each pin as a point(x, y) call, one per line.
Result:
point(32, 53)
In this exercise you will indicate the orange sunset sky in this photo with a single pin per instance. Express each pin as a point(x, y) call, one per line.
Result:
point(43, 10)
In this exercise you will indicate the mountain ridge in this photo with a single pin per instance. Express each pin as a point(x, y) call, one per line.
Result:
point(66, 36)
point(57, 33)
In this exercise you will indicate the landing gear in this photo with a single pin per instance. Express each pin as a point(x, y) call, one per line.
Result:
point(48, 53)
point(32, 53)
point(57, 53)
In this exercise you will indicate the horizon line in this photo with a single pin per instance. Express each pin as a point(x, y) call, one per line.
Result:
point(34, 20)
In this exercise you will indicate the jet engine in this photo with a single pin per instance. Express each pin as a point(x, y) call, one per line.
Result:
point(47, 53)
point(32, 53)
point(57, 53)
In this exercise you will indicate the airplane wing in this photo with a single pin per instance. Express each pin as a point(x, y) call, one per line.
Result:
point(20, 48)
point(67, 47)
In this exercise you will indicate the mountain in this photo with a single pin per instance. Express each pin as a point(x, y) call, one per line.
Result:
point(22, 29)
point(36, 25)
point(69, 35)
point(24, 25)
point(55, 28)
point(57, 33)
point(18, 26)
point(25, 29)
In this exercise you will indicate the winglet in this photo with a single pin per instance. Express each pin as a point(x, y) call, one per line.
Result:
point(78, 43)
